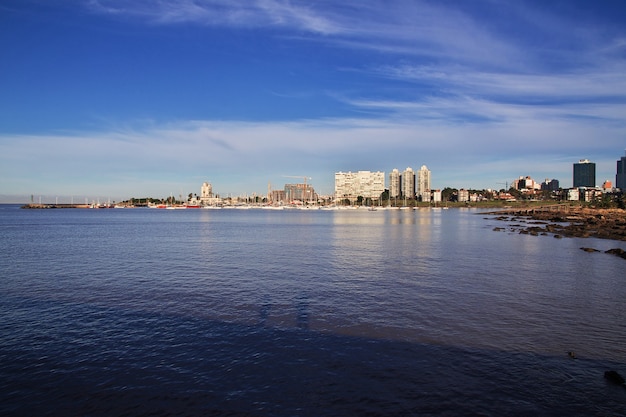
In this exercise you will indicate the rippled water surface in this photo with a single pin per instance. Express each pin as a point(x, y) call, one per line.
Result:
point(303, 313)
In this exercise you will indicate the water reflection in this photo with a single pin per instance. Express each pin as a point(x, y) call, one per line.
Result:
point(302, 309)
point(429, 276)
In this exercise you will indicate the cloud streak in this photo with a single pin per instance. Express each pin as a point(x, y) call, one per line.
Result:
point(250, 154)
point(238, 14)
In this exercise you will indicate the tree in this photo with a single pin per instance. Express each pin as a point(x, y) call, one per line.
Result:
point(447, 193)
point(516, 193)
point(621, 201)
point(605, 201)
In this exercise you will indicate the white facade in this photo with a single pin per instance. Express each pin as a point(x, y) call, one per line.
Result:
point(422, 186)
point(436, 196)
point(394, 183)
point(526, 183)
point(463, 195)
point(364, 184)
point(408, 183)
point(206, 192)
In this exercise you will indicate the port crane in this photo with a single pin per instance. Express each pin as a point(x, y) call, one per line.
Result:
point(300, 176)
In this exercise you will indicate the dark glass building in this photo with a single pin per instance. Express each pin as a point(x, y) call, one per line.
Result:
point(620, 177)
point(584, 174)
point(548, 185)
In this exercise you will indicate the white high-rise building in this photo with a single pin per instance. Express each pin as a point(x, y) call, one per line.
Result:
point(423, 183)
point(352, 185)
point(408, 183)
point(394, 183)
point(206, 192)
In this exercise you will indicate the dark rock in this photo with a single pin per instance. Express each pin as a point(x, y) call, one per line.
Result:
point(590, 249)
point(614, 377)
point(618, 252)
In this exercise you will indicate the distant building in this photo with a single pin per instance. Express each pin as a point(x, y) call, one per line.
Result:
point(607, 186)
point(278, 196)
point(394, 183)
point(504, 196)
point(620, 177)
point(550, 185)
point(573, 194)
point(207, 198)
point(525, 183)
point(206, 192)
point(422, 186)
point(436, 196)
point(584, 174)
point(352, 185)
point(463, 195)
point(591, 194)
point(299, 192)
point(408, 183)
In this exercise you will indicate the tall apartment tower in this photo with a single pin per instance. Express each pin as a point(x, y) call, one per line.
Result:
point(620, 177)
point(408, 183)
point(584, 174)
point(394, 183)
point(423, 183)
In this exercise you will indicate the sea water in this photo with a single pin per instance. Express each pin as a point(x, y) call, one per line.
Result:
point(304, 313)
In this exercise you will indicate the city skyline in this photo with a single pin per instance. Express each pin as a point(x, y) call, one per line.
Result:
point(126, 99)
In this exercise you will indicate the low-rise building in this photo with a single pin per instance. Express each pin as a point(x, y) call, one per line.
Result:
point(591, 194)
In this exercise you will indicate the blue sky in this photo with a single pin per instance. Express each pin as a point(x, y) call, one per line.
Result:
point(115, 98)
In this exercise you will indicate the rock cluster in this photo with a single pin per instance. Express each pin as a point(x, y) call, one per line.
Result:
point(573, 222)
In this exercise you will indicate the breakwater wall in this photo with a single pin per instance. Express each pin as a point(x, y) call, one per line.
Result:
point(55, 206)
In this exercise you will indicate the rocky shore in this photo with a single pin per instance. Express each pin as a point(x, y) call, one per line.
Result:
point(565, 221)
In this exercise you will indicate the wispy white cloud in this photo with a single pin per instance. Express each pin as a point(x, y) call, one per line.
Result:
point(254, 14)
point(241, 157)
point(596, 83)
point(440, 34)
